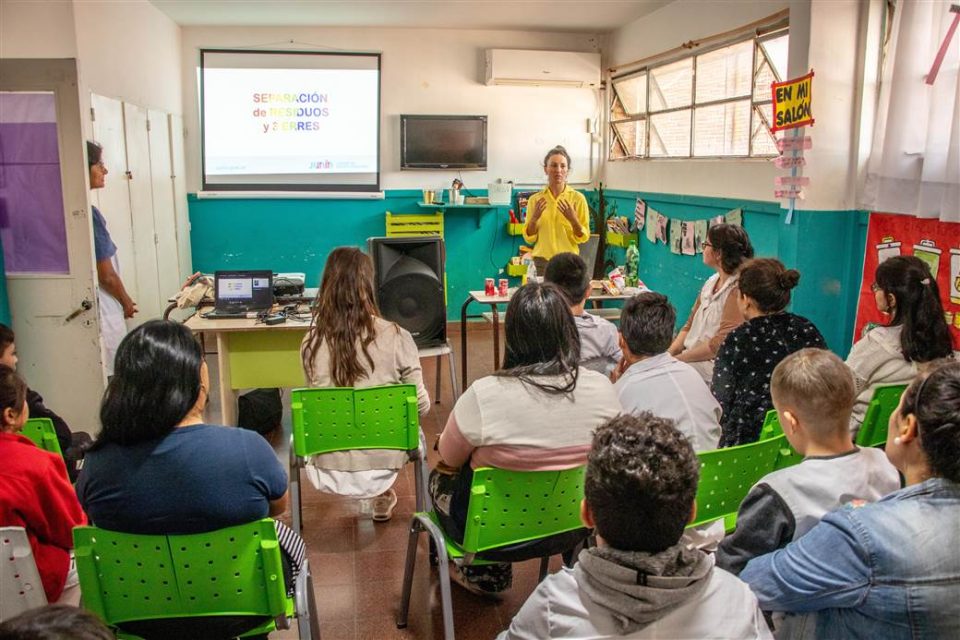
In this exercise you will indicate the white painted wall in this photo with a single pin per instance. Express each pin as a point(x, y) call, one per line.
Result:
point(437, 72)
point(30, 29)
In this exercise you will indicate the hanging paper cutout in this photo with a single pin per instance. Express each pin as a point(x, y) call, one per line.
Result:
point(699, 235)
point(639, 214)
point(676, 236)
point(687, 231)
point(734, 217)
point(662, 222)
point(652, 225)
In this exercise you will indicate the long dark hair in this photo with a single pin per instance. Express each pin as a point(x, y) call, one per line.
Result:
point(925, 335)
point(733, 244)
point(768, 283)
point(344, 313)
point(155, 384)
point(542, 338)
point(935, 401)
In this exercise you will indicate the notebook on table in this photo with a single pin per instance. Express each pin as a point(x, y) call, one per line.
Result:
point(241, 294)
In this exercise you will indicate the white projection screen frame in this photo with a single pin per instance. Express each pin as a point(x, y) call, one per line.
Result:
point(290, 121)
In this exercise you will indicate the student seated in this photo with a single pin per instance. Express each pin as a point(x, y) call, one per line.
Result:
point(350, 345)
point(35, 492)
point(640, 581)
point(537, 414)
point(650, 379)
point(813, 394)
point(746, 359)
point(599, 346)
point(905, 290)
point(73, 445)
point(888, 569)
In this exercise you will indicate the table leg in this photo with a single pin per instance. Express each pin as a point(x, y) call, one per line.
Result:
point(496, 338)
point(228, 395)
point(463, 341)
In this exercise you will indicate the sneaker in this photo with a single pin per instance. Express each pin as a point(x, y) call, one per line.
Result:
point(383, 505)
point(457, 576)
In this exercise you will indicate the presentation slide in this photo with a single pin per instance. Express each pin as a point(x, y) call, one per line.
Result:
point(290, 121)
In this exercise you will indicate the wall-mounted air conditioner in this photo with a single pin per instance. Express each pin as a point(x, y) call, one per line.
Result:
point(546, 68)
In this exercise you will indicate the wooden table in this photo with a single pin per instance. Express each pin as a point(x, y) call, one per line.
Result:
point(251, 354)
point(482, 298)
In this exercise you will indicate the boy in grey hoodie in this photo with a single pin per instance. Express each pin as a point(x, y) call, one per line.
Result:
point(639, 581)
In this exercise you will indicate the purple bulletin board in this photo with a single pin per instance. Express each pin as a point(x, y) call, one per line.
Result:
point(31, 197)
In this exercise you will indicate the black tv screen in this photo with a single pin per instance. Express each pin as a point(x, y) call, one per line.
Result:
point(443, 142)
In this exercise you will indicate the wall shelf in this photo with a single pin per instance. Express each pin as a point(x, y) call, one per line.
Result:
point(478, 208)
point(620, 240)
point(515, 228)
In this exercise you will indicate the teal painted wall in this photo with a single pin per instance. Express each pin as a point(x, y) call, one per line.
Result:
point(4, 300)
point(296, 235)
point(825, 246)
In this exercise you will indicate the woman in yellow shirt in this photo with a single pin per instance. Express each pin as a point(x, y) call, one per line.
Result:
point(558, 219)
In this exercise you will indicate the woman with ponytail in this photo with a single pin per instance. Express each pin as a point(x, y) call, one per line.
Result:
point(747, 358)
point(905, 290)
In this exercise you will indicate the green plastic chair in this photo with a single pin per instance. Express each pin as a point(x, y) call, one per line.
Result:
point(344, 418)
point(773, 429)
point(873, 431)
point(127, 578)
point(41, 431)
point(726, 476)
point(506, 508)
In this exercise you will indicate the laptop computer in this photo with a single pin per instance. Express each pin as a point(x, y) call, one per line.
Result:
point(241, 294)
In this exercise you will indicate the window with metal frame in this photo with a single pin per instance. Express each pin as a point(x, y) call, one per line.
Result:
point(711, 104)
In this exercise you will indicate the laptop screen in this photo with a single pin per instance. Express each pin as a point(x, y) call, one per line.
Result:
point(238, 290)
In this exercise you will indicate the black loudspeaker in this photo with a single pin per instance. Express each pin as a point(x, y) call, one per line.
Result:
point(408, 278)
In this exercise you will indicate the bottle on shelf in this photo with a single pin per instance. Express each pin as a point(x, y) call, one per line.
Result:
point(632, 265)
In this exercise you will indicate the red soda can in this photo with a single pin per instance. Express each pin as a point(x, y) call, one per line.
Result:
point(489, 288)
point(504, 287)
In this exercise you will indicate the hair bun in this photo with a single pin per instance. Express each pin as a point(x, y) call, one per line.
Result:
point(789, 279)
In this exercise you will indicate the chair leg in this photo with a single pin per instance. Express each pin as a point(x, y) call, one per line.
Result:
point(296, 506)
point(308, 620)
point(454, 385)
point(418, 524)
point(544, 568)
point(408, 569)
point(439, 363)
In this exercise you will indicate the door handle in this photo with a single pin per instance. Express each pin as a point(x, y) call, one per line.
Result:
point(86, 305)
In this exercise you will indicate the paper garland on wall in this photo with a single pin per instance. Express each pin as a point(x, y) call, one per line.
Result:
point(684, 236)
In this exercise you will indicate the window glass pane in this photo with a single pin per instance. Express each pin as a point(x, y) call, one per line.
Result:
point(617, 111)
point(765, 77)
point(725, 73)
point(632, 93)
point(722, 129)
point(32, 224)
point(763, 142)
point(633, 135)
point(670, 134)
point(777, 49)
point(670, 85)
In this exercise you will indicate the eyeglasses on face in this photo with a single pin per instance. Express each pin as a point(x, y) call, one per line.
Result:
point(705, 244)
point(874, 287)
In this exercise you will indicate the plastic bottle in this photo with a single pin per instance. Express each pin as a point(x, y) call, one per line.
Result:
point(633, 264)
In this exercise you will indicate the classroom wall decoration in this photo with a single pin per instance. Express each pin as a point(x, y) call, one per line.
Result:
point(685, 237)
point(936, 243)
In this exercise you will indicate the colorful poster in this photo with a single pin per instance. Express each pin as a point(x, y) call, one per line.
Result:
point(936, 243)
point(792, 102)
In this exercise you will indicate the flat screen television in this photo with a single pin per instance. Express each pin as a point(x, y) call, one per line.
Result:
point(443, 142)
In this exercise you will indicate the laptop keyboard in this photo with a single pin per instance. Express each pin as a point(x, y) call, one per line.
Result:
point(228, 315)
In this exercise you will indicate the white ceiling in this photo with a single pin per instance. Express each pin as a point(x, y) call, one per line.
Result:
point(585, 16)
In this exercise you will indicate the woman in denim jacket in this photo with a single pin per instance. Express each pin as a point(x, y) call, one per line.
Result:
point(890, 569)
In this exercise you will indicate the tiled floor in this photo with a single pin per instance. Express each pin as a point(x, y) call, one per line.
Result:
point(358, 564)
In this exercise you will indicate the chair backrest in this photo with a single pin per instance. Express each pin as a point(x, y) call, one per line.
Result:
point(343, 418)
point(234, 571)
point(20, 585)
point(771, 426)
point(726, 475)
point(509, 507)
point(873, 431)
point(43, 434)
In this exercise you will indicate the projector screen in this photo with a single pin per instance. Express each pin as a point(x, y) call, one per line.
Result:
point(290, 121)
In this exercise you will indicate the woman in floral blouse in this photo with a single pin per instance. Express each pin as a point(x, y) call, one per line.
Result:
point(746, 359)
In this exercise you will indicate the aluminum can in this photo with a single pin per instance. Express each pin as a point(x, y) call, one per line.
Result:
point(489, 288)
point(504, 289)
